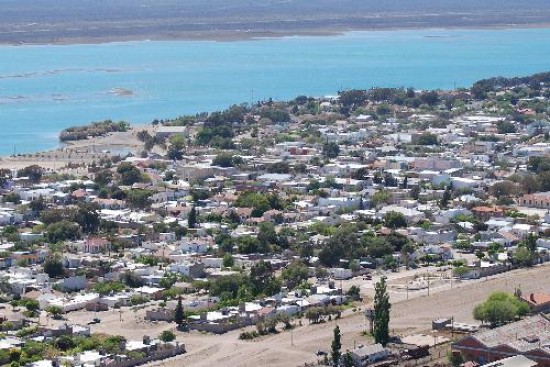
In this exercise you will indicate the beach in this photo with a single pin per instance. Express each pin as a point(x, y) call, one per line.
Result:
point(74, 157)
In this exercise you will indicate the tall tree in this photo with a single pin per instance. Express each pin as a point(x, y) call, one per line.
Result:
point(331, 150)
point(192, 218)
point(382, 308)
point(53, 266)
point(336, 346)
point(446, 198)
point(179, 316)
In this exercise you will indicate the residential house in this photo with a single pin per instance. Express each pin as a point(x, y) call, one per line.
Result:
point(96, 245)
point(538, 302)
point(536, 200)
point(529, 337)
point(369, 354)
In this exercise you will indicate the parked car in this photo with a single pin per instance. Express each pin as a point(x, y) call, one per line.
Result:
point(94, 321)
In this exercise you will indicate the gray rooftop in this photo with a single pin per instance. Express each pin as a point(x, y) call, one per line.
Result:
point(524, 335)
point(368, 350)
point(515, 361)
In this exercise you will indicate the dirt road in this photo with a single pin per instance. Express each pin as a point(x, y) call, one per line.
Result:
point(407, 317)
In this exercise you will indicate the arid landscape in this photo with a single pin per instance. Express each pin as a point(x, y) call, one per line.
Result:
point(67, 21)
point(408, 317)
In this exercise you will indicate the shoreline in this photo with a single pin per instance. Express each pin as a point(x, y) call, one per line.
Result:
point(238, 36)
point(79, 152)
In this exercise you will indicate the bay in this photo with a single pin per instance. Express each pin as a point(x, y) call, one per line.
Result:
point(46, 88)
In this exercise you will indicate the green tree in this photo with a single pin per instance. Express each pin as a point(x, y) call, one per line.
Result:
point(167, 336)
point(354, 292)
point(380, 197)
point(228, 261)
point(53, 266)
point(262, 279)
point(174, 153)
point(87, 217)
point(267, 236)
point(447, 195)
point(331, 150)
point(523, 257)
point(227, 160)
point(493, 249)
point(394, 220)
point(12, 197)
point(382, 308)
point(500, 308)
point(32, 305)
point(192, 218)
point(34, 173)
point(138, 199)
point(37, 205)
point(179, 316)
point(103, 177)
point(463, 242)
point(460, 271)
point(336, 346)
point(258, 202)
point(295, 273)
point(62, 231)
point(503, 191)
point(129, 174)
point(506, 127)
point(427, 139)
point(54, 311)
point(343, 244)
point(407, 249)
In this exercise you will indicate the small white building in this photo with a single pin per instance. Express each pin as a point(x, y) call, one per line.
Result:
point(369, 354)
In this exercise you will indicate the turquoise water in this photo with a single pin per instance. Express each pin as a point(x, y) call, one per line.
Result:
point(44, 89)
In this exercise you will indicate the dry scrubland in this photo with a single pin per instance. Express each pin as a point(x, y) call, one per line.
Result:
point(69, 21)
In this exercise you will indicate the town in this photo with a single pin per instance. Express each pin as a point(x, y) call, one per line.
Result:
point(375, 227)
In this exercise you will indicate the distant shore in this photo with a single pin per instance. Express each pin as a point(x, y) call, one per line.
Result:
point(235, 36)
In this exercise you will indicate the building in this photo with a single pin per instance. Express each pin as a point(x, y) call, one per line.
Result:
point(165, 132)
point(369, 354)
point(536, 200)
point(96, 245)
point(538, 302)
point(529, 337)
point(515, 361)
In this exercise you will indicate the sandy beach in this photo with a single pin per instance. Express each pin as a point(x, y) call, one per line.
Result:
point(74, 156)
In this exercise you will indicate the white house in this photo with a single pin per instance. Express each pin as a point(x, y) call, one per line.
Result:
point(369, 354)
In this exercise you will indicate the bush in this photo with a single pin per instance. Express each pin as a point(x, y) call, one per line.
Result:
point(167, 336)
point(246, 335)
point(138, 300)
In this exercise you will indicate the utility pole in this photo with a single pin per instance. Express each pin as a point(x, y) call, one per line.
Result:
point(428, 275)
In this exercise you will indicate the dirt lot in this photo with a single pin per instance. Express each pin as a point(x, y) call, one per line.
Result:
point(297, 347)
